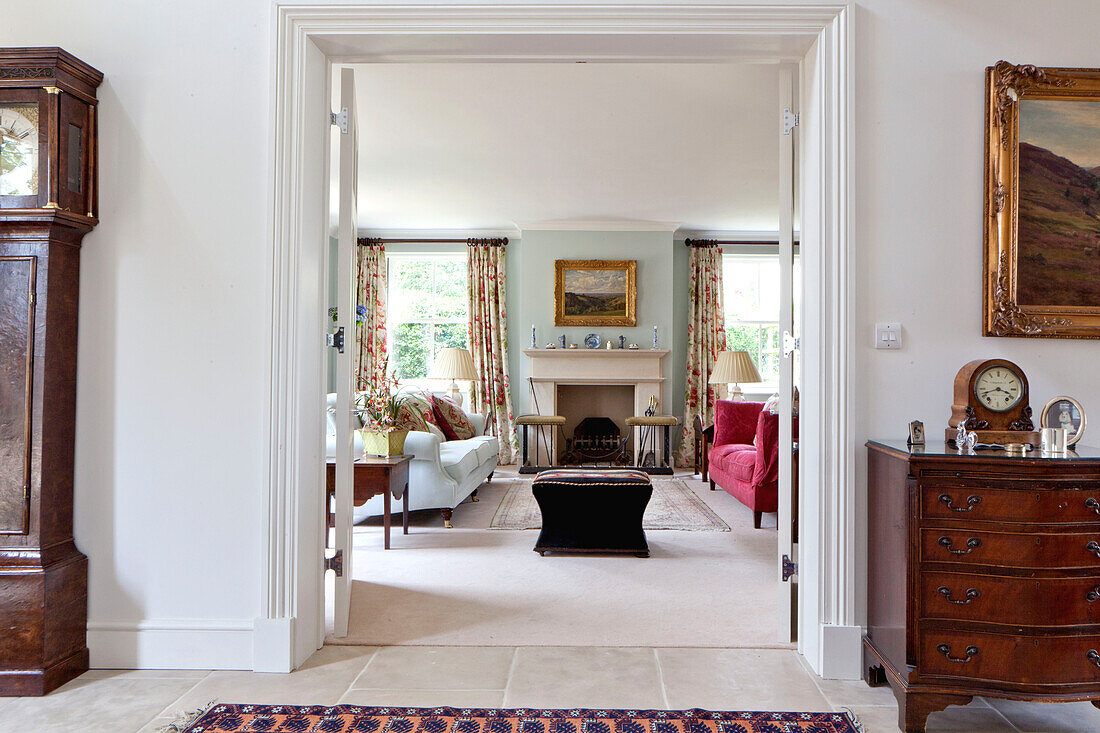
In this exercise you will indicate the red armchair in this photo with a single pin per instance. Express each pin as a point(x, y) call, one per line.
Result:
point(747, 471)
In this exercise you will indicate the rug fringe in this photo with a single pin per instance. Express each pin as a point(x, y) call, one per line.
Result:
point(856, 722)
point(185, 719)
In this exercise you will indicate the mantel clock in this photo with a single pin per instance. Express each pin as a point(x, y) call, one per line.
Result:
point(991, 399)
point(48, 202)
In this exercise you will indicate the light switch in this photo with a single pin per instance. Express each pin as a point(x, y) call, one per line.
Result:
point(887, 335)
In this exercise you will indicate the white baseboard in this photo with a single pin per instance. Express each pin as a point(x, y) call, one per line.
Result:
point(171, 644)
point(841, 652)
point(273, 645)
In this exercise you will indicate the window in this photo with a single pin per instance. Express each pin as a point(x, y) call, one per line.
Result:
point(750, 284)
point(426, 311)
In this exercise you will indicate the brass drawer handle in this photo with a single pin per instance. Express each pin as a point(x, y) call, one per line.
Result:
point(1093, 547)
point(971, 543)
point(1093, 595)
point(971, 594)
point(971, 652)
point(971, 502)
point(1092, 504)
point(1094, 657)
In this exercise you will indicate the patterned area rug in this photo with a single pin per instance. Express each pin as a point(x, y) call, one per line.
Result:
point(359, 719)
point(673, 506)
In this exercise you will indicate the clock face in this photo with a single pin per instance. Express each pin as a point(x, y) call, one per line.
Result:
point(18, 149)
point(999, 388)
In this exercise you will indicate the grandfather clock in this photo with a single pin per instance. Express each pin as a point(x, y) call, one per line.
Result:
point(48, 203)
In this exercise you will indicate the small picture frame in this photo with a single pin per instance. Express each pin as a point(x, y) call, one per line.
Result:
point(1064, 412)
point(916, 433)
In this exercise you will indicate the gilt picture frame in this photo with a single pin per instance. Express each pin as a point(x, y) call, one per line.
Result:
point(1042, 202)
point(595, 292)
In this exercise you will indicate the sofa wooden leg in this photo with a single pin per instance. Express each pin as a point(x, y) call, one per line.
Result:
point(756, 519)
point(490, 476)
point(447, 518)
point(712, 486)
point(473, 495)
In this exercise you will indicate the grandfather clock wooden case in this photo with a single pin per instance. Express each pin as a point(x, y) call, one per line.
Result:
point(47, 204)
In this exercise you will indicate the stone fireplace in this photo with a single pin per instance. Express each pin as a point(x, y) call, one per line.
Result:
point(581, 383)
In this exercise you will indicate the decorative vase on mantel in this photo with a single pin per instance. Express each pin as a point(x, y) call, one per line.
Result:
point(383, 443)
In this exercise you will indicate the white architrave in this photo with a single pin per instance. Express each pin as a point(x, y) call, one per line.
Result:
point(289, 625)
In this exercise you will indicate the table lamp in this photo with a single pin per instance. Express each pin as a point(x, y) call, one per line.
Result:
point(454, 364)
point(733, 367)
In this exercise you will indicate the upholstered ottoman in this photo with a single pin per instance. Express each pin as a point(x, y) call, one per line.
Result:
point(592, 510)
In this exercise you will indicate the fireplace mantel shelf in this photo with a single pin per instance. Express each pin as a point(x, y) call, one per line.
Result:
point(624, 353)
point(599, 380)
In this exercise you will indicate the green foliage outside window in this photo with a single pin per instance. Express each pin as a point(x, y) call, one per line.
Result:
point(427, 311)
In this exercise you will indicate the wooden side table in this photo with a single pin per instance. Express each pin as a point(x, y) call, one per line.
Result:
point(373, 476)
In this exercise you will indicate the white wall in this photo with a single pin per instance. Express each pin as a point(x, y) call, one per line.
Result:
point(171, 395)
point(918, 204)
point(172, 323)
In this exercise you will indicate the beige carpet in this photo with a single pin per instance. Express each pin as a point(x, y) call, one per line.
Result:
point(672, 506)
point(472, 586)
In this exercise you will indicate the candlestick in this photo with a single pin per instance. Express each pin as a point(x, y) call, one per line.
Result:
point(534, 343)
point(655, 337)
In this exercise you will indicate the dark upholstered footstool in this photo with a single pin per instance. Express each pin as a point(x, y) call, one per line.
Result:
point(592, 511)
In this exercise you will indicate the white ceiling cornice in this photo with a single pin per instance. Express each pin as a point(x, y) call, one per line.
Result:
point(597, 225)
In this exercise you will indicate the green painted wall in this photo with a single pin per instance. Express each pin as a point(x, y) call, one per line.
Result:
point(662, 300)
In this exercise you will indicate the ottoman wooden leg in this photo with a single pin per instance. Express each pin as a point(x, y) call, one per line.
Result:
point(447, 518)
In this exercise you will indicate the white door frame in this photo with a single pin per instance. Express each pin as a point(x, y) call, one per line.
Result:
point(290, 624)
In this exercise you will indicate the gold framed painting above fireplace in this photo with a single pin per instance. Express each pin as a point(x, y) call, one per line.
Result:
point(595, 292)
point(1042, 202)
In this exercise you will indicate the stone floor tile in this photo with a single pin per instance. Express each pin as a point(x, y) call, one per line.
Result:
point(322, 680)
point(437, 668)
point(104, 706)
point(426, 698)
point(738, 679)
point(585, 677)
point(1038, 717)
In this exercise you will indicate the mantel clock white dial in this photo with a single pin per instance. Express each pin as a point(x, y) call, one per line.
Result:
point(18, 149)
point(999, 388)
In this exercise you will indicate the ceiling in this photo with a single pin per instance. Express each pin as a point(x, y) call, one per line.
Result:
point(460, 146)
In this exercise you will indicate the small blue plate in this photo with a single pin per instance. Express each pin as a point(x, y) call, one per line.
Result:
point(592, 341)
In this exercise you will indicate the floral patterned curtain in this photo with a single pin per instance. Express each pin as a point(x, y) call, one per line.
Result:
point(370, 317)
point(706, 339)
point(488, 333)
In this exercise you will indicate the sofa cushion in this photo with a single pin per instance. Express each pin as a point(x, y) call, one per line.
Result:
point(409, 417)
point(735, 422)
point(736, 459)
point(487, 447)
point(451, 419)
point(459, 458)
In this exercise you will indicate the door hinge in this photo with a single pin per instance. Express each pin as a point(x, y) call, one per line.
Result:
point(336, 563)
point(789, 568)
point(790, 120)
point(791, 343)
point(336, 340)
point(340, 119)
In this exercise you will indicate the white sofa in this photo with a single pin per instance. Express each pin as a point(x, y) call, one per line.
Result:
point(442, 473)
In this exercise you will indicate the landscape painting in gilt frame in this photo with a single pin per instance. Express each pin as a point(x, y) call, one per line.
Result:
point(595, 292)
point(1042, 202)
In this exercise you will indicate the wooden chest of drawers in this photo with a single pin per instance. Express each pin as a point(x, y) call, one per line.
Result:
point(983, 577)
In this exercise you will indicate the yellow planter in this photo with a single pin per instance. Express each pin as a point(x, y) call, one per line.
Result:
point(384, 444)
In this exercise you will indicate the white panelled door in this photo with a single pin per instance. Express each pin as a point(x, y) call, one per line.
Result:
point(786, 553)
point(345, 321)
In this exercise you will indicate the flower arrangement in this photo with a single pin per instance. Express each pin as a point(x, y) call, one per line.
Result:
point(360, 314)
point(379, 404)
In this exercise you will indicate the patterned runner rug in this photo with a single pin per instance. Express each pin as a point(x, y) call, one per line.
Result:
point(360, 719)
point(673, 506)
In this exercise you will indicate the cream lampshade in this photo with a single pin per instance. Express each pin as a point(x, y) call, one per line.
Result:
point(733, 367)
point(454, 364)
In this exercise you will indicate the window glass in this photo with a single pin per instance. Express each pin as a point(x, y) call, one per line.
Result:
point(426, 311)
point(751, 303)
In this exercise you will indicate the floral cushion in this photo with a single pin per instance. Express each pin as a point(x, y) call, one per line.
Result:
point(409, 417)
point(452, 420)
